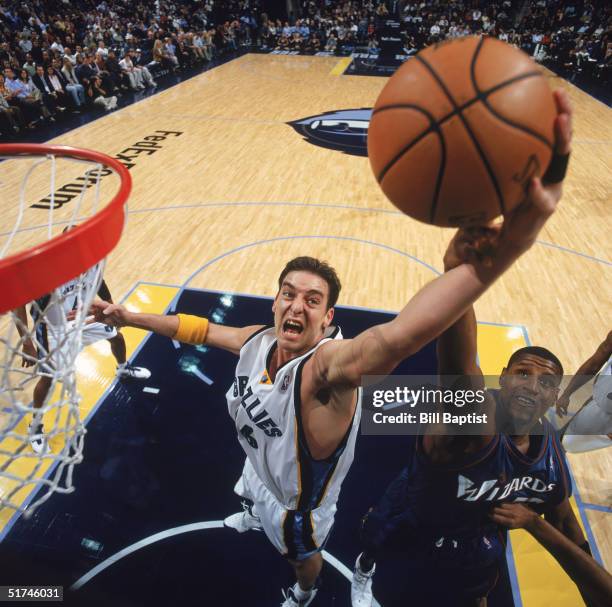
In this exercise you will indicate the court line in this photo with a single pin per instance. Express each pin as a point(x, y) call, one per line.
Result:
point(589, 506)
point(580, 504)
point(323, 205)
point(306, 237)
point(162, 535)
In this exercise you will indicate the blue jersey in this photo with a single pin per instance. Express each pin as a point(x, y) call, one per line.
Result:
point(443, 509)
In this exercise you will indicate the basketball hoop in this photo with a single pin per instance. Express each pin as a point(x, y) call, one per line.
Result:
point(52, 261)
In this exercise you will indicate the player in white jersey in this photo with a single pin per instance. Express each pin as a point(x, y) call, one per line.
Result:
point(591, 426)
point(54, 341)
point(295, 399)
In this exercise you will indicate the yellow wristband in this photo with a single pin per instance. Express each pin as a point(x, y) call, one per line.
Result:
point(191, 329)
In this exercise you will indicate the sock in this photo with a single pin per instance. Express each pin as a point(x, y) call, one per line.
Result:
point(300, 594)
point(121, 366)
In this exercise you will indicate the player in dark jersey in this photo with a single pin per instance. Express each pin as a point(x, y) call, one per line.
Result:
point(438, 509)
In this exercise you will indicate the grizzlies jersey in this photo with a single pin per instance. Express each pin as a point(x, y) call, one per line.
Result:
point(269, 425)
point(67, 297)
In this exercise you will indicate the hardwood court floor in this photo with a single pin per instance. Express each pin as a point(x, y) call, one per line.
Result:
point(241, 185)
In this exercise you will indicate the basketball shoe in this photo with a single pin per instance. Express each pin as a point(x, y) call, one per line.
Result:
point(292, 593)
point(246, 520)
point(361, 586)
point(127, 371)
point(37, 438)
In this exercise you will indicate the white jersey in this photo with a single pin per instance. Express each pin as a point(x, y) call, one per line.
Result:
point(268, 421)
point(602, 388)
point(79, 291)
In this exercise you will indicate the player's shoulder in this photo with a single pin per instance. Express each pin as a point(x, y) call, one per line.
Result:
point(250, 332)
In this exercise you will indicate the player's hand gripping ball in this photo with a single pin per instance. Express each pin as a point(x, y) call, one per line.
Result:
point(459, 131)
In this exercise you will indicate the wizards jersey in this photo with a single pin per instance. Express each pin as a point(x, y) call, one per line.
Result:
point(432, 502)
point(269, 425)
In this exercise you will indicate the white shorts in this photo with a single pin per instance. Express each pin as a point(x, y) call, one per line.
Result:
point(296, 535)
point(54, 357)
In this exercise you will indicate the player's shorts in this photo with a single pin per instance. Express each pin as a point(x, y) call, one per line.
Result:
point(296, 535)
point(56, 349)
point(468, 563)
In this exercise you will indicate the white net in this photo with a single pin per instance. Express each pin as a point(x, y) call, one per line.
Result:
point(41, 426)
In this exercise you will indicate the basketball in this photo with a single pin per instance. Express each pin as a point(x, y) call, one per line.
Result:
point(460, 129)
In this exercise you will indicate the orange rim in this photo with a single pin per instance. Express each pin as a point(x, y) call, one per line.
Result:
point(33, 272)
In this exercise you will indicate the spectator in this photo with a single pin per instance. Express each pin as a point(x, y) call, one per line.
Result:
point(98, 96)
point(73, 86)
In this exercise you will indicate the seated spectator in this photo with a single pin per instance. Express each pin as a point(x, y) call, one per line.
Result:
point(29, 65)
point(49, 97)
point(117, 74)
point(12, 114)
point(141, 75)
point(19, 94)
point(83, 69)
point(73, 86)
point(98, 96)
point(57, 84)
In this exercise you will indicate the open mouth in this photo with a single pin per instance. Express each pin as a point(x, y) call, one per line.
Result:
point(292, 327)
point(525, 401)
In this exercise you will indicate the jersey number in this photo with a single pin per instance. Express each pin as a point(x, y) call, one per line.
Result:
point(247, 432)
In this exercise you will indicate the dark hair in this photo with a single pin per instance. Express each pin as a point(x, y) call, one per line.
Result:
point(536, 351)
point(320, 268)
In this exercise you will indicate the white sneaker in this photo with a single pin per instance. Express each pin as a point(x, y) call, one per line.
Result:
point(361, 586)
point(127, 371)
point(37, 438)
point(113, 103)
point(243, 521)
point(291, 601)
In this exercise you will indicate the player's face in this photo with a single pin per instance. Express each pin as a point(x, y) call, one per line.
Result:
point(300, 311)
point(528, 388)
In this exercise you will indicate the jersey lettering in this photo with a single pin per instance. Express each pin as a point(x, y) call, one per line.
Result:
point(489, 490)
point(240, 383)
point(260, 418)
point(247, 432)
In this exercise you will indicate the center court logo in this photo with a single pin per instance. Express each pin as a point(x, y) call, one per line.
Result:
point(342, 130)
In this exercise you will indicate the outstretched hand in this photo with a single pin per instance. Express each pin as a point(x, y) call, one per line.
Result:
point(113, 315)
point(521, 227)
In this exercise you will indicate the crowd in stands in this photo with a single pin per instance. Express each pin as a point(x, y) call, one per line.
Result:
point(571, 36)
point(62, 56)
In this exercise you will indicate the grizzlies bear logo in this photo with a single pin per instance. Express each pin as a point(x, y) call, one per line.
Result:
point(343, 130)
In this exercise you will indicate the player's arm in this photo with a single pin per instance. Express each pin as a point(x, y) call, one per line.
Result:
point(444, 301)
point(457, 346)
point(587, 371)
point(182, 327)
point(28, 348)
point(562, 518)
point(592, 580)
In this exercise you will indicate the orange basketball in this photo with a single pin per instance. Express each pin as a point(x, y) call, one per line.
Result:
point(459, 130)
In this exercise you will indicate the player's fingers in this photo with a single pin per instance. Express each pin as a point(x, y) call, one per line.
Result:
point(562, 102)
point(563, 134)
point(501, 519)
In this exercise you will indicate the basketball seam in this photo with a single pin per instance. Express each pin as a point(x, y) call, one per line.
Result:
point(468, 129)
point(482, 96)
point(433, 128)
